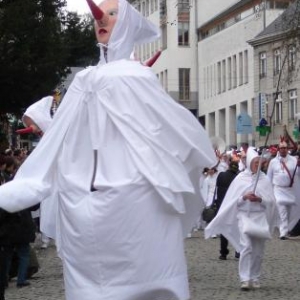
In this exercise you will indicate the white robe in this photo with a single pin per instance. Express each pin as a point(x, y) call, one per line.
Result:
point(126, 158)
point(39, 112)
point(226, 221)
point(284, 194)
point(123, 241)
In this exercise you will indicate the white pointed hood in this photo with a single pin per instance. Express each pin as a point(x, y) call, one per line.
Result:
point(251, 154)
point(130, 29)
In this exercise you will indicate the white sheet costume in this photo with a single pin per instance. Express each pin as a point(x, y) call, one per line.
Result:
point(208, 188)
point(230, 218)
point(39, 112)
point(126, 158)
point(287, 198)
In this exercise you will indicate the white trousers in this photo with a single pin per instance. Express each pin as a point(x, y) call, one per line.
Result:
point(252, 250)
point(284, 212)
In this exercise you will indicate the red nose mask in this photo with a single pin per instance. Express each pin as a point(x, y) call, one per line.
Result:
point(24, 130)
point(96, 11)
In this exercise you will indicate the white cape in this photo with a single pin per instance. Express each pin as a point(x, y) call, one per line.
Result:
point(39, 112)
point(150, 152)
point(226, 222)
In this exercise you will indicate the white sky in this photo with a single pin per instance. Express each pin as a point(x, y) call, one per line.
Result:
point(79, 6)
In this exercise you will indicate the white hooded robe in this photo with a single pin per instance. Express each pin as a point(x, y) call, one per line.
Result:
point(126, 159)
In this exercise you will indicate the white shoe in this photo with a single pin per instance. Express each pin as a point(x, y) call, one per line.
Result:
point(256, 284)
point(189, 235)
point(245, 286)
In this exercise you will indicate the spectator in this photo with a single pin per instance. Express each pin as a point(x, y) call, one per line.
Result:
point(223, 182)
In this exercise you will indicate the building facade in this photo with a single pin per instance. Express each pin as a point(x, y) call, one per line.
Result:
point(207, 64)
point(226, 66)
point(177, 65)
point(276, 61)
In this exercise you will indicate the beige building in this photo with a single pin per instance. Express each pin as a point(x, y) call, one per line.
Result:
point(207, 64)
point(277, 82)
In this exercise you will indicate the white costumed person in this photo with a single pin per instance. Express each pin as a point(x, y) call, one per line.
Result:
point(240, 205)
point(37, 119)
point(126, 158)
point(284, 174)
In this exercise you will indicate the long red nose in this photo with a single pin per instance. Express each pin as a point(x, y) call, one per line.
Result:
point(25, 130)
point(96, 11)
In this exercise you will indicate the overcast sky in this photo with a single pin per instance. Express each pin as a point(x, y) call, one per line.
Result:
point(80, 6)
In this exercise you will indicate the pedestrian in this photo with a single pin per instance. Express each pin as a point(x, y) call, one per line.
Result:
point(126, 158)
point(248, 201)
point(283, 172)
point(17, 231)
point(209, 186)
point(223, 182)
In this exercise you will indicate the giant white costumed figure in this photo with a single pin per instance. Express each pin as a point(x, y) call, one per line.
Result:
point(126, 159)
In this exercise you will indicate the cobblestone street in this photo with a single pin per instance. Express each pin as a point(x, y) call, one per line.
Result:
point(210, 278)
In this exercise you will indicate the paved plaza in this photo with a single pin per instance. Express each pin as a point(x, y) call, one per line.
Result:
point(210, 278)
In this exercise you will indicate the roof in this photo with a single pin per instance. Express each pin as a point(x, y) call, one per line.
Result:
point(224, 14)
point(283, 22)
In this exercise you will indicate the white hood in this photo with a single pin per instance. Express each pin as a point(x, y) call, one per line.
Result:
point(131, 29)
point(251, 154)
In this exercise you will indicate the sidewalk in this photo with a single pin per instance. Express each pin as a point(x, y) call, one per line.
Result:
point(210, 278)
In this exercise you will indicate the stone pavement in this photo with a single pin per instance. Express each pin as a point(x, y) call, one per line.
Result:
point(210, 278)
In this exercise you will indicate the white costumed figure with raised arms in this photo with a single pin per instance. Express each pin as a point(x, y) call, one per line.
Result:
point(126, 159)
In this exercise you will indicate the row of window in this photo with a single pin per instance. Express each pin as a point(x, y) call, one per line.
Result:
point(271, 4)
point(148, 7)
point(292, 106)
point(277, 61)
point(183, 82)
point(146, 51)
point(226, 74)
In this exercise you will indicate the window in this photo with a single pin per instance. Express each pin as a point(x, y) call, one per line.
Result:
point(292, 58)
point(219, 77)
point(241, 68)
point(262, 64)
point(163, 8)
point(183, 33)
point(164, 36)
point(155, 5)
point(184, 84)
point(234, 72)
point(229, 68)
point(292, 104)
point(246, 68)
point(277, 61)
point(147, 8)
point(183, 5)
point(278, 108)
point(224, 75)
point(166, 80)
point(205, 85)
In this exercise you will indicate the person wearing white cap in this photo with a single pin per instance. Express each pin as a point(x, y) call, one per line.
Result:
point(126, 158)
point(283, 173)
point(248, 201)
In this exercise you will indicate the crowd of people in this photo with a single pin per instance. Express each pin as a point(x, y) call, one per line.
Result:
point(17, 230)
point(253, 197)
